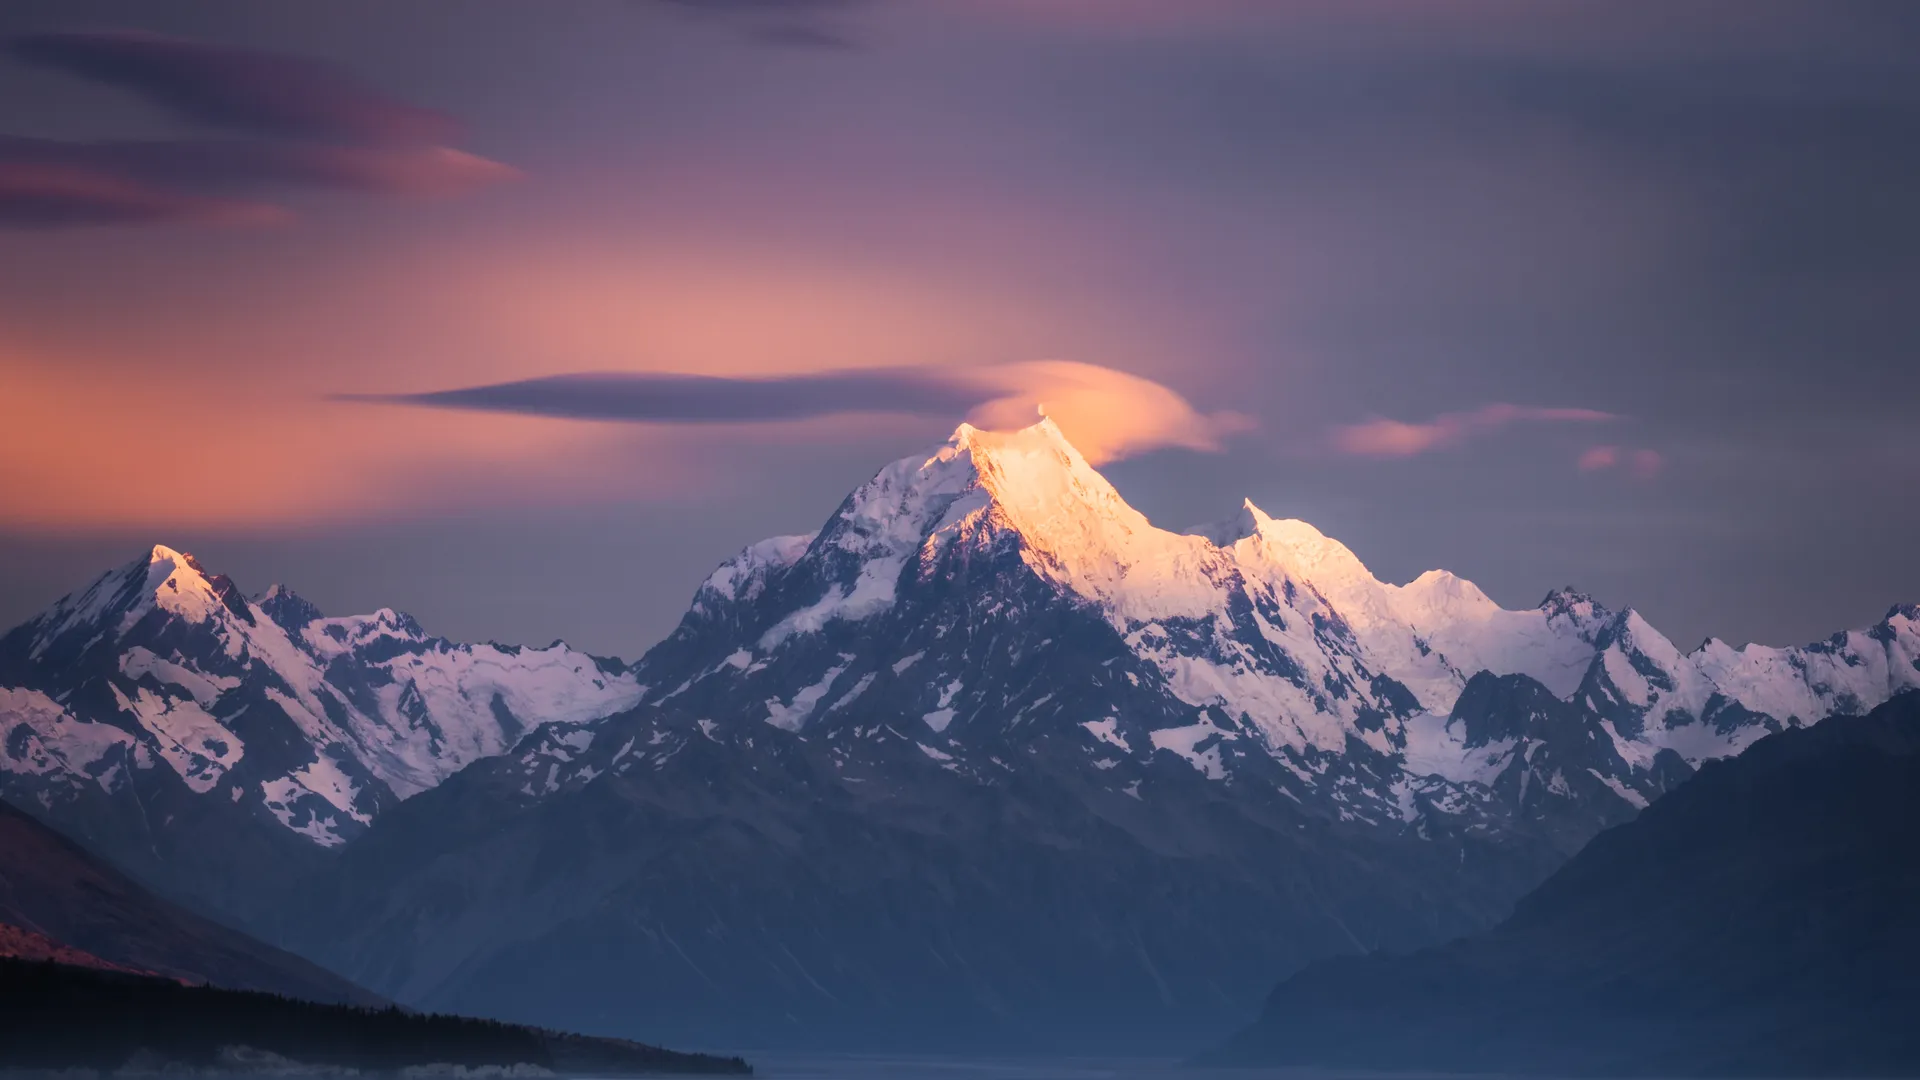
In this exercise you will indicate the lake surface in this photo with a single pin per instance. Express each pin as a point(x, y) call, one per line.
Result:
point(910, 1067)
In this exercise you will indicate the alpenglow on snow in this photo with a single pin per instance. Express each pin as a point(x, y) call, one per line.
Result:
point(1263, 638)
point(991, 754)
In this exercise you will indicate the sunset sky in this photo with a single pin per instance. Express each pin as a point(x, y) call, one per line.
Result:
point(1625, 296)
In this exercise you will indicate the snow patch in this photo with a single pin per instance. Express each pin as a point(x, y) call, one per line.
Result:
point(1435, 747)
point(1185, 741)
point(793, 715)
point(1107, 731)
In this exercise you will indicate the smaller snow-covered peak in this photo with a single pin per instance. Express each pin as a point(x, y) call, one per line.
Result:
point(1629, 634)
point(393, 623)
point(1443, 593)
point(162, 579)
point(1244, 523)
point(331, 637)
point(178, 584)
point(288, 609)
point(1307, 554)
point(1569, 601)
point(744, 576)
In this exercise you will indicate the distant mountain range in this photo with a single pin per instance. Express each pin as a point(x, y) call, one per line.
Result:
point(1757, 921)
point(216, 745)
point(987, 760)
point(992, 760)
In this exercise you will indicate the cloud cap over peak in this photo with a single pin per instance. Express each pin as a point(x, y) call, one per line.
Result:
point(1107, 414)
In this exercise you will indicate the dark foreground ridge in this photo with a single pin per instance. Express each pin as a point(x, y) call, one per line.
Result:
point(1757, 921)
point(56, 889)
point(58, 1017)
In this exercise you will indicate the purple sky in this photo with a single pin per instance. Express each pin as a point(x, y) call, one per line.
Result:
point(1625, 296)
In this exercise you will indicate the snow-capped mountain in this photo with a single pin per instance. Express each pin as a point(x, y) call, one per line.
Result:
point(142, 710)
point(991, 753)
point(1261, 640)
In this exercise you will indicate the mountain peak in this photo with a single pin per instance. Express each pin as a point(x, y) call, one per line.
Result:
point(163, 579)
point(288, 609)
point(1045, 489)
point(1568, 600)
point(162, 555)
point(1042, 486)
point(1302, 550)
point(1030, 482)
point(1246, 522)
point(177, 583)
point(1043, 436)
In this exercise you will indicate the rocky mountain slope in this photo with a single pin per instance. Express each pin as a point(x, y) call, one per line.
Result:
point(59, 902)
point(214, 745)
point(992, 758)
point(18, 943)
point(1756, 921)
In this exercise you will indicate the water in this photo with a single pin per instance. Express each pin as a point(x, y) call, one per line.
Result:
point(773, 1066)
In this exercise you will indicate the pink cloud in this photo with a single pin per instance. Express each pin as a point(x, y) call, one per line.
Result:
point(52, 196)
point(1381, 437)
point(1597, 458)
point(1107, 414)
point(313, 126)
point(280, 95)
point(1642, 463)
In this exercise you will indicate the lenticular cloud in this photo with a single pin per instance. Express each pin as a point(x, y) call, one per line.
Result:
point(1109, 414)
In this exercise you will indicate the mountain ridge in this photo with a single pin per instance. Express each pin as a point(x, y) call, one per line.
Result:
point(56, 891)
point(1233, 626)
point(875, 768)
point(160, 714)
point(1756, 921)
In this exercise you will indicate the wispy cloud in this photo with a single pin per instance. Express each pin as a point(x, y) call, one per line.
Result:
point(181, 170)
point(661, 397)
point(1381, 437)
point(1108, 414)
point(48, 196)
point(255, 92)
point(304, 124)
